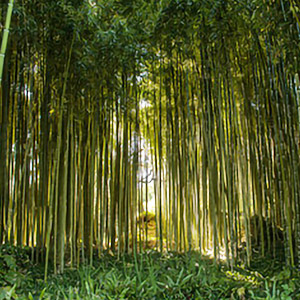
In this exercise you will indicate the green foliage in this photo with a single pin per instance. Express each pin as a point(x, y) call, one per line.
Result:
point(158, 276)
point(202, 94)
point(7, 293)
point(12, 260)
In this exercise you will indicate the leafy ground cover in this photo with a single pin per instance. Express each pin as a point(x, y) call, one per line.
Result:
point(151, 275)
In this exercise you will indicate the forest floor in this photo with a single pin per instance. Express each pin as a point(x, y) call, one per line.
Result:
point(151, 275)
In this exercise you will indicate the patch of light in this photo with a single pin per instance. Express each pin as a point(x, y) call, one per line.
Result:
point(92, 3)
point(140, 77)
point(144, 103)
point(27, 92)
point(221, 255)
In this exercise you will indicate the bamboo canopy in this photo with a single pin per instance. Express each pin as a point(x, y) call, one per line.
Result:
point(109, 108)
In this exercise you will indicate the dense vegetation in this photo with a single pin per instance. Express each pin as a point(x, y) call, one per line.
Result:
point(156, 276)
point(113, 109)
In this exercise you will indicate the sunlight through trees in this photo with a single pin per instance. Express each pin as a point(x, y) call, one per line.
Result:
point(115, 111)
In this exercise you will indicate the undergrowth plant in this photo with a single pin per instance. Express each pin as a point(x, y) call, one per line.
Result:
point(162, 276)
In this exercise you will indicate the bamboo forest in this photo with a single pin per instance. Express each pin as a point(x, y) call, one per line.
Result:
point(150, 149)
